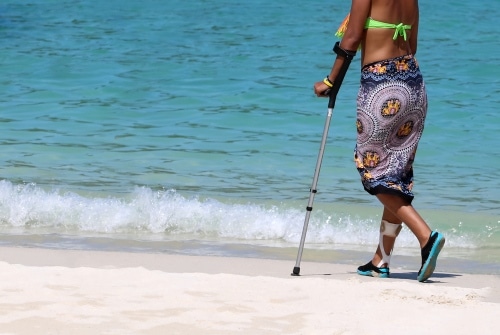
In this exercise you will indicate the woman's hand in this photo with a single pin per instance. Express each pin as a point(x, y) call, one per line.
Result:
point(321, 89)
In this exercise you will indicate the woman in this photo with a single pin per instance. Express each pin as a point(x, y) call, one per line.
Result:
point(391, 110)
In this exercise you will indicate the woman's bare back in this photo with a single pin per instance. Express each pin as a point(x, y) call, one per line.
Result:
point(378, 43)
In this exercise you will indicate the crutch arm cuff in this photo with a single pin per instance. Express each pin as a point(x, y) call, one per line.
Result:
point(342, 52)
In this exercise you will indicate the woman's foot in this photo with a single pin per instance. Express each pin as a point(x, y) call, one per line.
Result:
point(430, 254)
point(371, 270)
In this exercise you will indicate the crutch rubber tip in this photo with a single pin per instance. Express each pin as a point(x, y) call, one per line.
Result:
point(296, 271)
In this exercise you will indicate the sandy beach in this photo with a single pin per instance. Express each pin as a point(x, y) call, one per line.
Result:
point(87, 292)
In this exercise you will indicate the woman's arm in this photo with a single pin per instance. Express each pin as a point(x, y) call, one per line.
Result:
point(360, 10)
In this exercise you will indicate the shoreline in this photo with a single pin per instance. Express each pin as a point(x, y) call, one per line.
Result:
point(451, 260)
point(46, 291)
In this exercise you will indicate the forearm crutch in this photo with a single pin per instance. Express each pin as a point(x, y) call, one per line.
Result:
point(348, 56)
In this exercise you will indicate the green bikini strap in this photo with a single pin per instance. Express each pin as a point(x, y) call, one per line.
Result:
point(400, 30)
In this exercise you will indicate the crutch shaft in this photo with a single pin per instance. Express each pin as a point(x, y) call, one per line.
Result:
point(313, 191)
point(348, 56)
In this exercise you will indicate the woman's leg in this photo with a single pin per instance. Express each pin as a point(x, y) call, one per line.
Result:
point(405, 212)
point(387, 238)
point(431, 243)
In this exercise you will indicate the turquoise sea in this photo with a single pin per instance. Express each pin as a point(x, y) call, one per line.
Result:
point(191, 127)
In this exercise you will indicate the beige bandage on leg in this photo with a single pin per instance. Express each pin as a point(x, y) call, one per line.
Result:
point(387, 229)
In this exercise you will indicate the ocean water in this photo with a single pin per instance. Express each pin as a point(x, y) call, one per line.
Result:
point(191, 127)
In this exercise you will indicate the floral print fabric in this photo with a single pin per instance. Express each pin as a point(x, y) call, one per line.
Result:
point(391, 111)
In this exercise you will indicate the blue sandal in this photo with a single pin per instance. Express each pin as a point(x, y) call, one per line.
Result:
point(430, 254)
point(372, 271)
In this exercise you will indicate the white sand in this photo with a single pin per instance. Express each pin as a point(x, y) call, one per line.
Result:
point(81, 292)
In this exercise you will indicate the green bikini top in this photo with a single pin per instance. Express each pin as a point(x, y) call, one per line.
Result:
point(400, 28)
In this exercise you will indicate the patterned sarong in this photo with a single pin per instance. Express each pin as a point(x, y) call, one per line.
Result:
point(391, 110)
